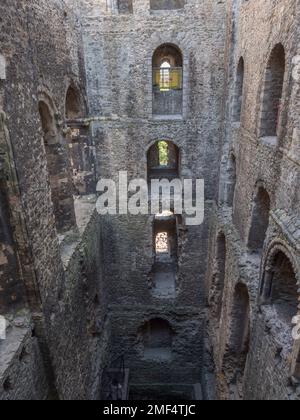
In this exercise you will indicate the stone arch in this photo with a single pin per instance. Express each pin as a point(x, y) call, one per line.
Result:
point(261, 207)
point(57, 167)
point(167, 80)
point(163, 160)
point(271, 99)
point(279, 287)
point(74, 107)
point(239, 91)
point(281, 266)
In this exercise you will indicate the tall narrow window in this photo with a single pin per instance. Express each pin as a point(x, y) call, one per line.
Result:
point(260, 220)
point(58, 170)
point(80, 145)
point(167, 81)
point(73, 104)
point(271, 106)
point(239, 90)
point(235, 358)
point(164, 269)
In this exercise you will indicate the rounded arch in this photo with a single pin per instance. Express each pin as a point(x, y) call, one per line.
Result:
point(261, 206)
point(272, 92)
point(45, 95)
point(167, 52)
point(275, 246)
point(164, 137)
point(163, 160)
point(167, 81)
point(48, 121)
point(280, 282)
point(57, 165)
point(238, 341)
point(74, 106)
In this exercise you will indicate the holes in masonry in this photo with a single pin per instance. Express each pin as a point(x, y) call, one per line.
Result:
point(7, 386)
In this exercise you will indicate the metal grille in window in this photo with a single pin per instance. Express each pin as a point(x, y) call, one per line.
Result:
point(166, 79)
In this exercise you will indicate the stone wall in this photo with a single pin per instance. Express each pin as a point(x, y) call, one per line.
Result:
point(268, 373)
point(79, 294)
point(42, 47)
point(118, 52)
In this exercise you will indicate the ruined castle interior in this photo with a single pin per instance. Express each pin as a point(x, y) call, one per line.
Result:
point(146, 307)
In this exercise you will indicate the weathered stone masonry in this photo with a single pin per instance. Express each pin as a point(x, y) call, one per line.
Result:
point(89, 88)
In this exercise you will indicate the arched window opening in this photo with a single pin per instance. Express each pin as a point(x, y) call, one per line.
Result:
point(166, 251)
point(167, 67)
point(58, 170)
point(125, 7)
point(218, 284)
point(80, 147)
point(231, 181)
point(239, 90)
point(157, 339)
point(167, 4)
point(163, 161)
point(280, 288)
point(272, 94)
point(259, 221)
point(73, 105)
point(237, 350)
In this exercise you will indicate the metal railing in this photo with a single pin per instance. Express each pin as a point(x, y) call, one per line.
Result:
point(166, 79)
